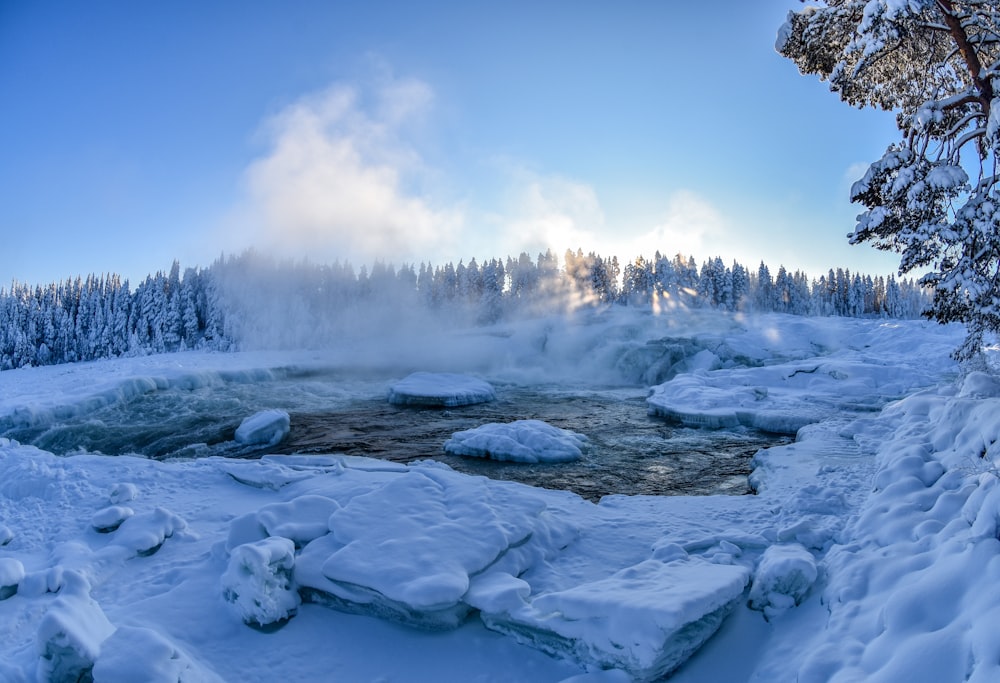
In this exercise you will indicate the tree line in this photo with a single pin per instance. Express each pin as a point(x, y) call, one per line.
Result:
point(247, 300)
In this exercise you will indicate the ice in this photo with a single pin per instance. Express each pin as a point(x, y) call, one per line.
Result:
point(440, 389)
point(646, 619)
point(266, 428)
point(427, 530)
point(258, 581)
point(132, 654)
point(11, 574)
point(784, 575)
point(529, 441)
point(781, 398)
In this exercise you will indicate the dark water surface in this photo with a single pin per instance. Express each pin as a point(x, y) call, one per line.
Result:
point(629, 451)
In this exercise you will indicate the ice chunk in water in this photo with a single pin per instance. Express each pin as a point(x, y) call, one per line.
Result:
point(529, 441)
point(441, 389)
point(266, 428)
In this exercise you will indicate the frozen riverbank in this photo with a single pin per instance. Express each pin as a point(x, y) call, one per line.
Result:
point(509, 575)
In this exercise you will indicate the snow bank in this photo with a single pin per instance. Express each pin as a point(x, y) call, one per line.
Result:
point(912, 591)
point(529, 441)
point(266, 428)
point(440, 389)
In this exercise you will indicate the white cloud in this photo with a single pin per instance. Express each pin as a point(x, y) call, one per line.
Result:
point(690, 225)
point(334, 180)
point(549, 212)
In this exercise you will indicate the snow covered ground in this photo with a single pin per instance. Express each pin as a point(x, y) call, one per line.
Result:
point(870, 551)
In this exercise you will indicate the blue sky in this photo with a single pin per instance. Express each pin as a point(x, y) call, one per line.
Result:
point(137, 133)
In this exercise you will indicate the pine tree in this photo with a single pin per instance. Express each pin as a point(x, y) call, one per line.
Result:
point(934, 196)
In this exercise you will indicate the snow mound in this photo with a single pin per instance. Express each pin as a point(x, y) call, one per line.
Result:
point(784, 575)
point(110, 518)
point(258, 581)
point(529, 441)
point(122, 492)
point(440, 390)
point(266, 428)
point(6, 535)
point(133, 654)
point(11, 574)
point(144, 534)
point(646, 619)
point(70, 634)
point(300, 520)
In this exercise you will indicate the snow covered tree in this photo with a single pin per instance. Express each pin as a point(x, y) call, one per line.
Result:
point(933, 196)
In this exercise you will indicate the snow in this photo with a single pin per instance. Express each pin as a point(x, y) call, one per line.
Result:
point(870, 551)
point(267, 428)
point(446, 389)
point(529, 441)
point(258, 581)
point(783, 576)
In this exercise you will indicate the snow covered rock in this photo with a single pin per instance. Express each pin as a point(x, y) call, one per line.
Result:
point(110, 518)
point(123, 492)
point(528, 441)
point(70, 634)
point(258, 581)
point(144, 534)
point(784, 575)
point(133, 654)
point(6, 535)
point(440, 390)
point(266, 428)
point(646, 619)
point(11, 574)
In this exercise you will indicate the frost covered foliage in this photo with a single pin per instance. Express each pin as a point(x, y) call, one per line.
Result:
point(251, 302)
point(933, 196)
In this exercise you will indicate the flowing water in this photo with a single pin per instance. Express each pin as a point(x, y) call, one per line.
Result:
point(629, 452)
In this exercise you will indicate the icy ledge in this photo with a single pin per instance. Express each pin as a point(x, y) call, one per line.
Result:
point(646, 619)
point(448, 546)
